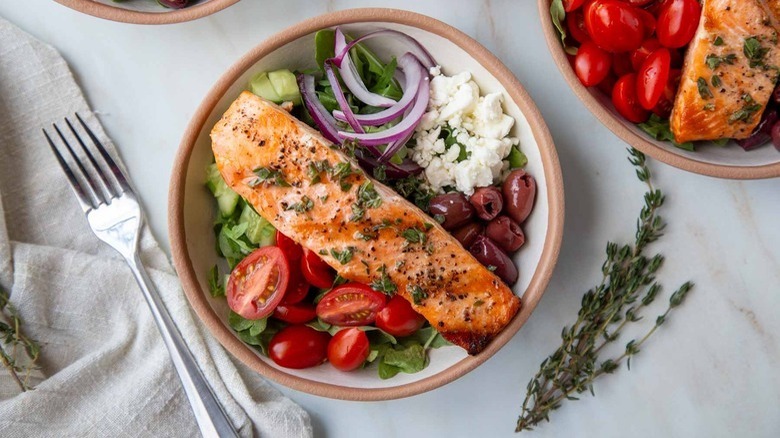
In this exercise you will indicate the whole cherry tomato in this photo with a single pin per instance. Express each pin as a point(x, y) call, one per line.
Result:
point(398, 318)
point(607, 84)
point(652, 78)
point(621, 64)
point(575, 22)
point(289, 247)
point(348, 349)
point(625, 100)
point(639, 55)
point(613, 25)
point(295, 313)
point(664, 107)
point(591, 64)
point(298, 346)
point(316, 272)
point(677, 22)
point(570, 5)
point(649, 22)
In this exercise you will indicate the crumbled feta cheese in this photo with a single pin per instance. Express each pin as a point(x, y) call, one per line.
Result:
point(479, 127)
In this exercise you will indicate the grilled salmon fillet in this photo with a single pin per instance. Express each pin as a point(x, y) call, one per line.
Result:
point(730, 71)
point(318, 196)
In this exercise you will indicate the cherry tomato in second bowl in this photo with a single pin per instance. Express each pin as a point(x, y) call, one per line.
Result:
point(398, 318)
point(258, 283)
point(316, 272)
point(652, 77)
point(591, 64)
point(613, 25)
point(298, 346)
point(350, 304)
point(625, 100)
point(677, 22)
point(348, 349)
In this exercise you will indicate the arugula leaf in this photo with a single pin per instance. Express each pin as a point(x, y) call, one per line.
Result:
point(238, 322)
point(659, 130)
point(231, 243)
point(216, 286)
point(257, 333)
point(410, 359)
point(324, 44)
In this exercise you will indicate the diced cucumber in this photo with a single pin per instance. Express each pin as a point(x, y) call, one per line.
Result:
point(259, 231)
point(261, 86)
point(277, 86)
point(286, 85)
point(517, 158)
point(227, 199)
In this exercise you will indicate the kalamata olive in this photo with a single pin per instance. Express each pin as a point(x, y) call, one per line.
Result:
point(468, 234)
point(763, 132)
point(505, 233)
point(487, 202)
point(175, 4)
point(519, 194)
point(490, 255)
point(454, 207)
point(776, 135)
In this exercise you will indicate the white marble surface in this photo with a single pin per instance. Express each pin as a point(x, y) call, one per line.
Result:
point(712, 370)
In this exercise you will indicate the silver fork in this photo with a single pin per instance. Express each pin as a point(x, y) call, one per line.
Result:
point(114, 215)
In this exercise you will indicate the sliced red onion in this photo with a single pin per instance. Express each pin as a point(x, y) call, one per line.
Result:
point(346, 111)
point(392, 170)
point(322, 118)
point(351, 77)
point(413, 72)
point(400, 131)
point(415, 48)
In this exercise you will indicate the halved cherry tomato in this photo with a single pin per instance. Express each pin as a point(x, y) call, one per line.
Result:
point(575, 22)
point(398, 318)
point(639, 55)
point(625, 100)
point(621, 64)
point(295, 313)
point(258, 283)
point(350, 304)
point(591, 64)
point(570, 5)
point(298, 288)
point(664, 107)
point(677, 22)
point(291, 249)
point(652, 77)
point(316, 272)
point(298, 346)
point(613, 25)
point(348, 349)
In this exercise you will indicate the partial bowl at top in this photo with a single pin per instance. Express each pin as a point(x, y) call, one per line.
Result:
point(146, 11)
point(191, 210)
point(722, 162)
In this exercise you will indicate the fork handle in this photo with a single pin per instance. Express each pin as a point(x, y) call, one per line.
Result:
point(211, 417)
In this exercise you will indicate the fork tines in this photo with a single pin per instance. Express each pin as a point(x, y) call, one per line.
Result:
point(92, 183)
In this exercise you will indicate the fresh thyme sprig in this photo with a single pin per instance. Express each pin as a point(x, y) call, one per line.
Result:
point(628, 286)
point(12, 340)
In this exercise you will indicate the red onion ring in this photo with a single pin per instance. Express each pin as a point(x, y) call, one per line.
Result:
point(346, 111)
point(322, 118)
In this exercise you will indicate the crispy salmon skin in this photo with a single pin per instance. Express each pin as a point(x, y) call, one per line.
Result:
point(729, 72)
point(318, 196)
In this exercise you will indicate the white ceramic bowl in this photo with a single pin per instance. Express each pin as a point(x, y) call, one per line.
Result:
point(192, 212)
point(708, 159)
point(146, 11)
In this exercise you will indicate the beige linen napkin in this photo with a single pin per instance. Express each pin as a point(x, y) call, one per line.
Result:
point(107, 370)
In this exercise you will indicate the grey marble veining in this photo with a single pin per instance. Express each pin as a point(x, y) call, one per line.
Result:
point(712, 370)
